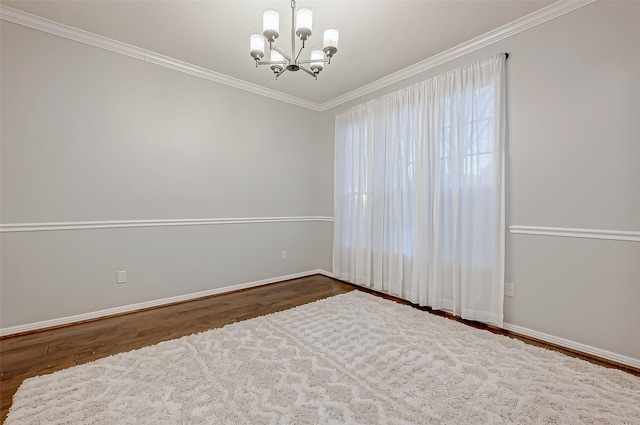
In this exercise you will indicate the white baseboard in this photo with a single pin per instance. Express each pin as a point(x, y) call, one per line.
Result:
point(326, 273)
point(562, 342)
point(573, 345)
point(148, 304)
point(552, 339)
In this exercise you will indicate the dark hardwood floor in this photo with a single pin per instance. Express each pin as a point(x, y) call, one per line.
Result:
point(39, 353)
point(42, 352)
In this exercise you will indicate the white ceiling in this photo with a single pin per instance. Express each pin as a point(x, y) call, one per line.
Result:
point(377, 38)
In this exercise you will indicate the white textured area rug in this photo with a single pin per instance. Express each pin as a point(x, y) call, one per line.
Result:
point(352, 358)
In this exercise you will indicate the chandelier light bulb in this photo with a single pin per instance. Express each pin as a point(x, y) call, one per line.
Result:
point(276, 57)
point(317, 54)
point(256, 45)
point(304, 22)
point(271, 24)
point(330, 41)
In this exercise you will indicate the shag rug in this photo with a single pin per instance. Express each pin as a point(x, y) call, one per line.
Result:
point(352, 358)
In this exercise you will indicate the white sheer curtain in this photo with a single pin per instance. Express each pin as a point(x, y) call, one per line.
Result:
point(419, 192)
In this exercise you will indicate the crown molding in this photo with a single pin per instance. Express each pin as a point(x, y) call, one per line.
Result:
point(45, 25)
point(56, 28)
point(522, 24)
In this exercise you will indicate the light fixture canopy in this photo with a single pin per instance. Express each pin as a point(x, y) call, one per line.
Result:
point(301, 26)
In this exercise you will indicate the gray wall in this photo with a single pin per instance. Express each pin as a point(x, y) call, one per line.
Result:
point(90, 135)
point(574, 147)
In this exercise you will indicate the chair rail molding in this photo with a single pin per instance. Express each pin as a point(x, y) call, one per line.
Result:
point(570, 232)
point(119, 224)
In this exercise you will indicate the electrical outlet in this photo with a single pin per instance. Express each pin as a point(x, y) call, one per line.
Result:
point(509, 289)
point(284, 255)
point(122, 276)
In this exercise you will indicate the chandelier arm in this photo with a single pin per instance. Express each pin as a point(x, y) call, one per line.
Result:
point(277, 49)
point(299, 51)
point(312, 61)
point(313, 74)
point(281, 72)
point(273, 63)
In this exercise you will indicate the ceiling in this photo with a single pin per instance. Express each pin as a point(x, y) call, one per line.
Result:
point(377, 38)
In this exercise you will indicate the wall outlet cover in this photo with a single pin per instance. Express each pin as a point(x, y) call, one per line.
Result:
point(122, 276)
point(509, 289)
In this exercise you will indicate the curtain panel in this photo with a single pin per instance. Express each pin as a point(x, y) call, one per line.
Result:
point(419, 196)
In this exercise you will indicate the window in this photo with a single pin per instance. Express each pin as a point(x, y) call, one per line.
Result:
point(418, 185)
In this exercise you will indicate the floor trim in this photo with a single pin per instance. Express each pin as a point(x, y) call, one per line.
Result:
point(101, 314)
point(577, 347)
point(588, 351)
point(573, 345)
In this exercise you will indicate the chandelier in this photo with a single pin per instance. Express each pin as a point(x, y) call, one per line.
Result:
point(301, 21)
